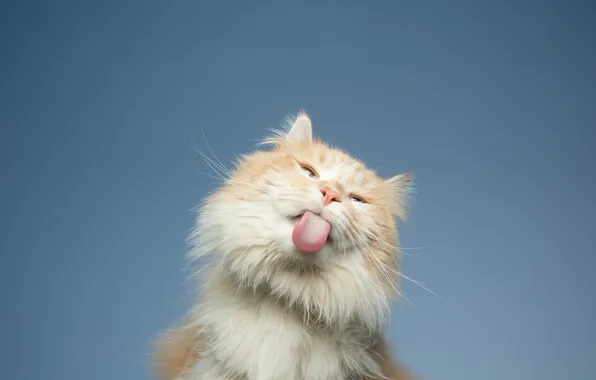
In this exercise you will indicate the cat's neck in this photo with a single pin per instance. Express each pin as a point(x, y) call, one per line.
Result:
point(221, 286)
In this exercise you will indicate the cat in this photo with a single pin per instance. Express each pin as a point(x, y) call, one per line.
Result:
point(304, 259)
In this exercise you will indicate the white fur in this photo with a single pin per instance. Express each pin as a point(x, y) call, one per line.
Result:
point(268, 312)
point(261, 335)
point(258, 337)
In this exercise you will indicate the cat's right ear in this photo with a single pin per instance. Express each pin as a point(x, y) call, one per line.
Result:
point(402, 186)
point(301, 129)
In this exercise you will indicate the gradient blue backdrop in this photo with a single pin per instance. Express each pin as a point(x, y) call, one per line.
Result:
point(490, 104)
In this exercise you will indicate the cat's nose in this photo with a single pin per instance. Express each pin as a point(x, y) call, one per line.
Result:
point(330, 195)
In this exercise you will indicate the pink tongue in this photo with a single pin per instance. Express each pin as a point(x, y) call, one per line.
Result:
point(311, 232)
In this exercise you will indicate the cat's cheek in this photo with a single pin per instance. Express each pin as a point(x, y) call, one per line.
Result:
point(278, 230)
point(333, 213)
point(284, 237)
point(292, 202)
point(339, 219)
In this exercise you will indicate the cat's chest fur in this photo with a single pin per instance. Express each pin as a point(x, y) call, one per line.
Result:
point(244, 340)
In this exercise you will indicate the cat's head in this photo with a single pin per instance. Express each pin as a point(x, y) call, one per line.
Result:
point(309, 224)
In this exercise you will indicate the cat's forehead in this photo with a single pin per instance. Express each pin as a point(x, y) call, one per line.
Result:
point(337, 165)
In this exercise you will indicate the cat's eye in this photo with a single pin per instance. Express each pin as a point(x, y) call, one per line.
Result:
point(309, 171)
point(356, 198)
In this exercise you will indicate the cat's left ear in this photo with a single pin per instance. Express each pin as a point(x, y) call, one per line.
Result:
point(402, 186)
point(301, 129)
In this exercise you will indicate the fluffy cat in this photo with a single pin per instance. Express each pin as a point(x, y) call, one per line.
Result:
point(304, 255)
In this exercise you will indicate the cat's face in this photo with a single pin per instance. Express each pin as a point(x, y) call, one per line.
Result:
point(250, 224)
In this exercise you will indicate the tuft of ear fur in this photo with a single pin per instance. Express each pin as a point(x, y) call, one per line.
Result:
point(296, 130)
point(301, 130)
point(402, 185)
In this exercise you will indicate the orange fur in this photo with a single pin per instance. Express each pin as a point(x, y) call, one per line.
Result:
point(390, 368)
point(176, 352)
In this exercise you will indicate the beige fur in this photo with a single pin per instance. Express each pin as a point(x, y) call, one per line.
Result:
point(268, 311)
point(177, 352)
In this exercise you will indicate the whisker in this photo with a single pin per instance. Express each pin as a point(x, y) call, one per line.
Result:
point(402, 295)
point(217, 163)
point(421, 284)
point(402, 249)
point(221, 171)
point(407, 253)
point(208, 175)
point(216, 166)
point(208, 162)
point(211, 150)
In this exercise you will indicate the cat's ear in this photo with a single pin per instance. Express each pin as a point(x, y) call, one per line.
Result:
point(402, 186)
point(301, 129)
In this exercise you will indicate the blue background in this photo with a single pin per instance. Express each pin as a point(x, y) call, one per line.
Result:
point(490, 104)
